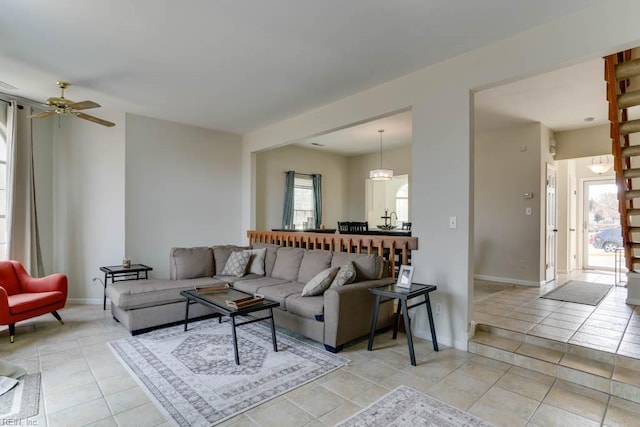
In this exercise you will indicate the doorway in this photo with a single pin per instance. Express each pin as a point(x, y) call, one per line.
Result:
point(602, 232)
point(551, 224)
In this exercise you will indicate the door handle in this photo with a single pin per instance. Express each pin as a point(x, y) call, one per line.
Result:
point(555, 230)
point(572, 229)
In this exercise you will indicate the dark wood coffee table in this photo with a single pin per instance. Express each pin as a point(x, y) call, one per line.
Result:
point(218, 302)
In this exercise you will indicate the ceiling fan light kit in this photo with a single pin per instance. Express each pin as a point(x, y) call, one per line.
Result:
point(63, 106)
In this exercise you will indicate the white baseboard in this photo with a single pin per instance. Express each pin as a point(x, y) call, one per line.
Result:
point(508, 280)
point(86, 301)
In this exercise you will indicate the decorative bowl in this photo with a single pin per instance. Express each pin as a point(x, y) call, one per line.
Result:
point(386, 227)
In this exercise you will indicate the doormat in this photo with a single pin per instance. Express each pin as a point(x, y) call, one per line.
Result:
point(406, 407)
point(579, 292)
point(192, 376)
point(22, 401)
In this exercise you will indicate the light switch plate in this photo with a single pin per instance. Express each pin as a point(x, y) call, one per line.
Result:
point(453, 222)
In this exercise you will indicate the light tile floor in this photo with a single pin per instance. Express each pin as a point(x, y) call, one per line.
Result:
point(611, 326)
point(83, 383)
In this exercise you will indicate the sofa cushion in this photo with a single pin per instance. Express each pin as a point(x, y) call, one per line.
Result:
point(346, 275)
point(279, 293)
point(287, 264)
point(221, 255)
point(368, 266)
point(21, 303)
point(252, 285)
point(131, 294)
point(256, 262)
point(309, 307)
point(313, 262)
point(236, 264)
point(270, 258)
point(188, 263)
point(232, 279)
point(320, 282)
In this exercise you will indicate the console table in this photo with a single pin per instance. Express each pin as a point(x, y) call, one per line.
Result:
point(393, 292)
point(118, 273)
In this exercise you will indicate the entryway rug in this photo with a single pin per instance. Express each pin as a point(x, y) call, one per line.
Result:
point(193, 378)
point(579, 292)
point(406, 407)
point(22, 401)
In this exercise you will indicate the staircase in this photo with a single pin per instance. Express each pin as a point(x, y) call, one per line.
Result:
point(622, 74)
point(607, 372)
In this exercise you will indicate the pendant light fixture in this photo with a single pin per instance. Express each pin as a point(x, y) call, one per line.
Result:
point(380, 174)
point(600, 166)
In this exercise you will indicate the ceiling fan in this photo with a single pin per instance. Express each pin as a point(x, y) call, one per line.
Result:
point(64, 106)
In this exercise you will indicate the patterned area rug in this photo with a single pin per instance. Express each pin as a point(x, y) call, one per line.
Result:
point(579, 292)
point(20, 402)
point(406, 407)
point(193, 378)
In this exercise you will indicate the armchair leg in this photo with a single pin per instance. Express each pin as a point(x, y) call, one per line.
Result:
point(57, 316)
point(12, 332)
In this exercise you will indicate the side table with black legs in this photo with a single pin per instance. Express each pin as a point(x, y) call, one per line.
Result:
point(393, 292)
point(118, 273)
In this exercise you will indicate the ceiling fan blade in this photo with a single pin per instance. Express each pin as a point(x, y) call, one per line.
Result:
point(94, 119)
point(42, 114)
point(83, 105)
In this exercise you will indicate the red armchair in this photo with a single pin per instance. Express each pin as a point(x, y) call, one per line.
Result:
point(23, 297)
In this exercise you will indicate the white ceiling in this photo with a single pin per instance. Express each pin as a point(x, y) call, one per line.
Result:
point(238, 65)
point(560, 99)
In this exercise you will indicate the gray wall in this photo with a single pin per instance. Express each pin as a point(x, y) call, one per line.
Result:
point(182, 189)
point(398, 159)
point(343, 181)
point(507, 242)
point(591, 141)
point(270, 168)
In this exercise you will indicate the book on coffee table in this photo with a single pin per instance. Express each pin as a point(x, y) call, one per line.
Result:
point(212, 289)
point(245, 302)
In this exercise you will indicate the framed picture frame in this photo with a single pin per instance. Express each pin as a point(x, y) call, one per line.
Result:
point(405, 276)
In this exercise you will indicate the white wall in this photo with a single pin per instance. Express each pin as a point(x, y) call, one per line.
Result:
point(43, 177)
point(270, 168)
point(182, 189)
point(591, 141)
point(565, 169)
point(442, 153)
point(398, 159)
point(507, 244)
point(88, 194)
point(381, 196)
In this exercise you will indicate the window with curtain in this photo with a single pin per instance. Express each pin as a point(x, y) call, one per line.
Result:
point(3, 181)
point(402, 203)
point(303, 202)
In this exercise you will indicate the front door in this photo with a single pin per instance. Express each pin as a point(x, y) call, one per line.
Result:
point(551, 230)
point(602, 233)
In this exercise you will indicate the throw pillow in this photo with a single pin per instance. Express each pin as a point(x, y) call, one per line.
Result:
point(256, 262)
point(236, 264)
point(346, 275)
point(320, 282)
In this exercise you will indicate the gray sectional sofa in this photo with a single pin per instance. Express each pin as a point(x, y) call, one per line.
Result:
point(335, 317)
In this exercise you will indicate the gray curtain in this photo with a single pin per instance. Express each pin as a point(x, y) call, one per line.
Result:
point(287, 211)
point(23, 239)
point(317, 198)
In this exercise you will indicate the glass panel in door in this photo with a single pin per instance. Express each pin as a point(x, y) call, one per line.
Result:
point(602, 232)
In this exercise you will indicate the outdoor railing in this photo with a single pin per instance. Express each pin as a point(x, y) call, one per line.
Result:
point(395, 249)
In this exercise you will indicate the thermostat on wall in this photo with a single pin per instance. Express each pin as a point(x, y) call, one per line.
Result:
point(528, 195)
